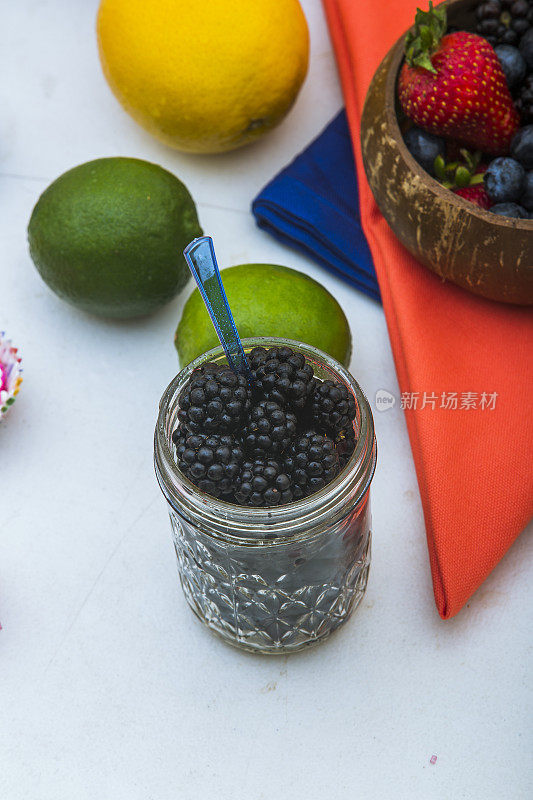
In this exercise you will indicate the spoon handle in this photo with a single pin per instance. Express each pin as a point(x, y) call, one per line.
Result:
point(201, 258)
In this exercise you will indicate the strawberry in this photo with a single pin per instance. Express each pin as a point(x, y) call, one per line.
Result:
point(453, 85)
point(475, 194)
point(464, 177)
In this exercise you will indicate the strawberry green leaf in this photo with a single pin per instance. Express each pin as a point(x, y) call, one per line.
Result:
point(426, 37)
point(423, 60)
point(440, 168)
point(462, 177)
point(423, 41)
point(471, 159)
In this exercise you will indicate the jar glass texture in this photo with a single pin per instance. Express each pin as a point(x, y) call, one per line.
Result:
point(272, 580)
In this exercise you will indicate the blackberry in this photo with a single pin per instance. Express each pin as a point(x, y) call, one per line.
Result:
point(281, 375)
point(263, 482)
point(312, 462)
point(524, 101)
point(332, 407)
point(269, 429)
point(211, 462)
point(504, 21)
point(345, 442)
point(214, 400)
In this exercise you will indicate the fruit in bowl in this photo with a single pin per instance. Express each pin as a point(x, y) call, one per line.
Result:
point(461, 216)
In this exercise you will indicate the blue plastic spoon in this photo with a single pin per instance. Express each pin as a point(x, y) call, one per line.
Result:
point(200, 256)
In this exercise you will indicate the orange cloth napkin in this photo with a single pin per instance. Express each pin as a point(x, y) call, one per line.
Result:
point(474, 463)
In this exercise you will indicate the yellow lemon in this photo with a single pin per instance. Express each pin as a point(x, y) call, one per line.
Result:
point(204, 75)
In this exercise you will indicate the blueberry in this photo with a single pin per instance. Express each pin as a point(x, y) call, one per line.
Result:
point(527, 197)
point(424, 147)
point(522, 146)
point(504, 180)
point(526, 47)
point(513, 64)
point(509, 210)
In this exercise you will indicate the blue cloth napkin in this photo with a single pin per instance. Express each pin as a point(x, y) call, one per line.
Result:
point(313, 205)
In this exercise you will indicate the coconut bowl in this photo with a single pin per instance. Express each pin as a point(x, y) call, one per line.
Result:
point(486, 254)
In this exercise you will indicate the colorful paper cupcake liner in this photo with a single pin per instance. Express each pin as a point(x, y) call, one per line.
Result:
point(10, 374)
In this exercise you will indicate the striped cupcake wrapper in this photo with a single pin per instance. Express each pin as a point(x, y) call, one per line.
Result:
point(10, 374)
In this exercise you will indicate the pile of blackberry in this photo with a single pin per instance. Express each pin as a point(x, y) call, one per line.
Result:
point(504, 21)
point(508, 26)
point(278, 442)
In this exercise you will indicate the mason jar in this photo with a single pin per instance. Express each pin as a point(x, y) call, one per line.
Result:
point(276, 579)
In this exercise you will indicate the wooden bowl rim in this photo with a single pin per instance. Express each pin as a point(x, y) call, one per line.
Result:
point(509, 223)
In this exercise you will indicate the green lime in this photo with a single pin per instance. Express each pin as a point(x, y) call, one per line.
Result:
point(268, 300)
point(108, 236)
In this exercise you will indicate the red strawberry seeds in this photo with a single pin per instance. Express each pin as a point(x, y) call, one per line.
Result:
point(454, 86)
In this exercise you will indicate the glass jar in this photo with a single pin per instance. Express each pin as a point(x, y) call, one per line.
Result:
point(277, 579)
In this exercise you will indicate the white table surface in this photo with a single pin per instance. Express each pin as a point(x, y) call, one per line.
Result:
point(110, 688)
